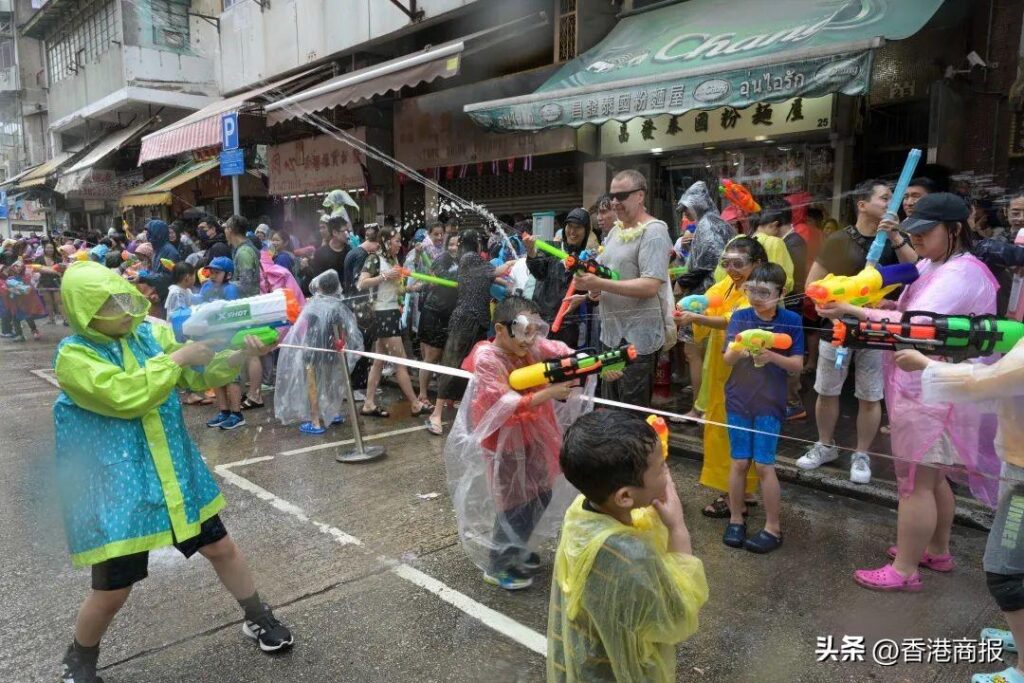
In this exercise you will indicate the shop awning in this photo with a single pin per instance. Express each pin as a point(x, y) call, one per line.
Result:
point(442, 61)
point(71, 179)
point(38, 175)
point(159, 190)
point(202, 128)
point(9, 183)
point(701, 55)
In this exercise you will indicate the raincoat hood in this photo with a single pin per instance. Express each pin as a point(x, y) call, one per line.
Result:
point(157, 232)
point(698, 199)
point(798, 202)
point(85, 288)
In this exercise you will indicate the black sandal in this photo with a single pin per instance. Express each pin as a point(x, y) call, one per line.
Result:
point(424, 408)
point(376, 412)
point(249, 404)
point(719, 508)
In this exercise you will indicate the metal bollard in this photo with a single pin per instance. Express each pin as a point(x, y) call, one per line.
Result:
point(360, 453)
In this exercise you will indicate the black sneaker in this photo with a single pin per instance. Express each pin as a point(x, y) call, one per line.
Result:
point(271, 634)
point(78, 669)
point(531, 562)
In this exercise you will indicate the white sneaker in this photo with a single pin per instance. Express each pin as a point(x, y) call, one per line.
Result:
point(860, 468)
point(817, 455)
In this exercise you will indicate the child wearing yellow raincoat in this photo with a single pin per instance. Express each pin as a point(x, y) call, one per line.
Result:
point(739, 259)
point(626, 586)
point(130, 478)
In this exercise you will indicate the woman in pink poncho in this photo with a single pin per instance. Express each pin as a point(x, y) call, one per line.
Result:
point(952, 439)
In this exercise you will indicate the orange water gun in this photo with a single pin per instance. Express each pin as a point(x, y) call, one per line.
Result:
point(660, 427)
point(739, 196)
point(564, 308)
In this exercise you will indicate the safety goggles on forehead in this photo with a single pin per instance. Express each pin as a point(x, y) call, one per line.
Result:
point(735, 262)
point(526, 328)
point(119, 305)
point(761, 291)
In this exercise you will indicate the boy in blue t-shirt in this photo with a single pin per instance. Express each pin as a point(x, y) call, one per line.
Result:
point(755, 402)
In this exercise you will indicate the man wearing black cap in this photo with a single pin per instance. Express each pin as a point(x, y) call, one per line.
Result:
point(845, 253)
point(553, 279)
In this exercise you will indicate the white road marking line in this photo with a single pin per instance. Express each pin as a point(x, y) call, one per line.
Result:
point(524, 635)
point(349, 442)
point(503, 624)
point(47, 375)
point(283, 505)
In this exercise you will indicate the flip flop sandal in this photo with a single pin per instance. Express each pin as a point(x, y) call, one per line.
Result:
point(888, 579)
point(249, 404)
point(763, 542)
point(427, 404)
point(376, 412)
point(735, 535)
point(937, 563)
point(309, 428)
point(194, 402)
point(424, 408)
point(1001, 635)
point(719, 508)
point(434, 429)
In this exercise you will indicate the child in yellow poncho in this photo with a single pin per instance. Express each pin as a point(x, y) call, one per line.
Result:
point(739, 259)
point(626, 588)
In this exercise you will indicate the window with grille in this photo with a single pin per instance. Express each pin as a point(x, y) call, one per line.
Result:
point(170, 23)
point(82, 39)
point(6, 54)
point(565, 30)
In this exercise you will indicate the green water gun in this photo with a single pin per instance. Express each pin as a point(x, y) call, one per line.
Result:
point(955, 336)
point(578, 264)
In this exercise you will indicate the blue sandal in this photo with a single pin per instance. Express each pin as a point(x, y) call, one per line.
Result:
point(310, 428)
point(763, 542)
point(1001, 635)
point(735, 535)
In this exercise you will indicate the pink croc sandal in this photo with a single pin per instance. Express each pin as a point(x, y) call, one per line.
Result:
point(937, 563)
point(887, 579)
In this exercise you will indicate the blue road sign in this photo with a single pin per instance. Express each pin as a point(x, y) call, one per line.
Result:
point(229, 131)
point(232, 162)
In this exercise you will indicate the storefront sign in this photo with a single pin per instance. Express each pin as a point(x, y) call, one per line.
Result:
point(763, 121)
point(98, 184)
point(27, 210)
point(315, 165)
point(432, 131)
point(810, 78)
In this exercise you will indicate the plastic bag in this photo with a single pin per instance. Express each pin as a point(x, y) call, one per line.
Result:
point(502, 459)
point(709, 237)
point(323, 321)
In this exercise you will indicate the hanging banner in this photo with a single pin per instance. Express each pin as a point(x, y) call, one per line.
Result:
point(315, 164)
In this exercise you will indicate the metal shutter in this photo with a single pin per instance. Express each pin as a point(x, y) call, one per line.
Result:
point(549, 189)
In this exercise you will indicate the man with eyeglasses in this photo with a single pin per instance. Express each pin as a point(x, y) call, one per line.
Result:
point(636, 308)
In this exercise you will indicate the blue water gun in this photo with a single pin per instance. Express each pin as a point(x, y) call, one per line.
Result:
point(875, 252)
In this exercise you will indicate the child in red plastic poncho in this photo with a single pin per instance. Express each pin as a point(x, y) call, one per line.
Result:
point(502, 453)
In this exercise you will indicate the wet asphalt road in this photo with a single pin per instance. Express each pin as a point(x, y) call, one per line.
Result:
point(354, 561)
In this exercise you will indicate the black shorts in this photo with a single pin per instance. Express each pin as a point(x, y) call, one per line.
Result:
point(121, 572)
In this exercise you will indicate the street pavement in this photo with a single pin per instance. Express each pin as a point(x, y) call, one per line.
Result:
point(363, 563)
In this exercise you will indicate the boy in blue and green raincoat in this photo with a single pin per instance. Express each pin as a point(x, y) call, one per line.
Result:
point(131, 479)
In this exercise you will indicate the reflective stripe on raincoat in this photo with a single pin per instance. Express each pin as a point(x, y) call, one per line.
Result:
point(130, 477)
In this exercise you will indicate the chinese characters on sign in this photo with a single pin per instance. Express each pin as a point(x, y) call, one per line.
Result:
point(314, 165)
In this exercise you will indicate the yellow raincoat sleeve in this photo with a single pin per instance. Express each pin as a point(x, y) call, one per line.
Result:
point(216, 374)
point(102, 387)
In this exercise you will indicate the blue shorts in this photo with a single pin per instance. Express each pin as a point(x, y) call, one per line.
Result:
point(758, 445)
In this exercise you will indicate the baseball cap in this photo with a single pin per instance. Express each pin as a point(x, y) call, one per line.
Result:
point(578, 216)
point(936, 208)
point(222, 263)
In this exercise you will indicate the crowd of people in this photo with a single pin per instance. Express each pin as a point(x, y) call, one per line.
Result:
point(523, 465)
